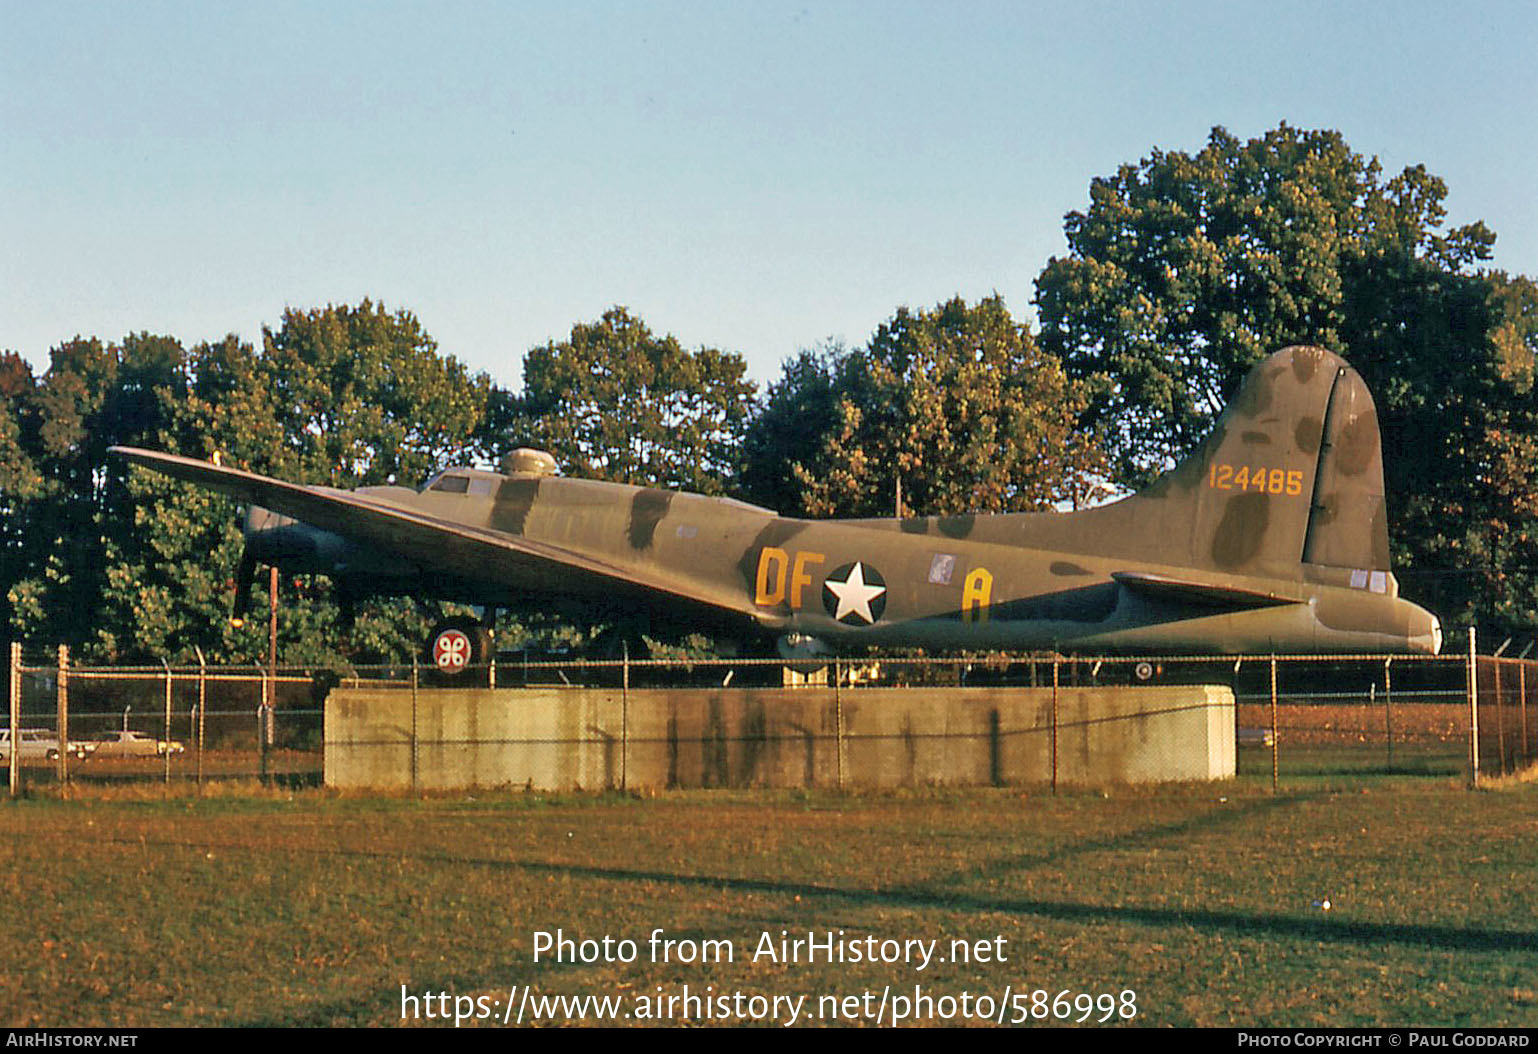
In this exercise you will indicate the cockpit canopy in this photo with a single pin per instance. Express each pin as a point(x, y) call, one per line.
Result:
point(473, 481)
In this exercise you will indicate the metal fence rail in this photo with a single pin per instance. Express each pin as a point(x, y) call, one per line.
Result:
point(1296, 716)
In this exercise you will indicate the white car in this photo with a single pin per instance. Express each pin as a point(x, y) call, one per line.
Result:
point(37, 744)
point(127, 744)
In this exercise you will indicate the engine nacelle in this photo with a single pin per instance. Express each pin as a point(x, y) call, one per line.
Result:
point(296, 547)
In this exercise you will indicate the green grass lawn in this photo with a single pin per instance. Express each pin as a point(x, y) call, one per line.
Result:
point(128, 910)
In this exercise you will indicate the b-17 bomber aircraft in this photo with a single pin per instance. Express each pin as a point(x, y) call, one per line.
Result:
point(1270, 538)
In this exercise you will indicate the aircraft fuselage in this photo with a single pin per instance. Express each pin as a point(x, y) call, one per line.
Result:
point(893, 583)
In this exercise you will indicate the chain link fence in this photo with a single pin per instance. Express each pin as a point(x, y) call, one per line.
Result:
point(1297, 718)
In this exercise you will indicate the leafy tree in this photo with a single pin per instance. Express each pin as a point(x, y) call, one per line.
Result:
point(227, 409)
point(68, 419)
point(362, 396)
point(615, 401)
point(116, 566)
point(1186, 270)
point(347, 396)
point(957, 405)
point(800, 408)
point(1452, 356)
point(20, 482)
point(129, 565)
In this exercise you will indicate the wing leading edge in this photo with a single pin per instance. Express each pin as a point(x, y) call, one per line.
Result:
point(430, 542)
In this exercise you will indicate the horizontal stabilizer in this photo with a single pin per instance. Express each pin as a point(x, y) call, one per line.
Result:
point(1162, 587)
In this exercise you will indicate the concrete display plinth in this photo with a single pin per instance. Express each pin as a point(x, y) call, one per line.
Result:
point(595, 738)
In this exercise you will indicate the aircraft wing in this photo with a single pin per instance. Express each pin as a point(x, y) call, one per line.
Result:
point(435, 544)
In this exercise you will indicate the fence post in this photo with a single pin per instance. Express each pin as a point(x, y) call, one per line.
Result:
point(1238, 702)
point(838, 722)
point(61, 700)
point(1054, 721)
point(624, 718)
point(15, 694)
point(1500, 718)
point(166, 738)
point(1388, 710)
point(261, 729)
point(1276, 738)
point(1473, 686)
point(1522, 701)
point(415, 778)
point(202, 709)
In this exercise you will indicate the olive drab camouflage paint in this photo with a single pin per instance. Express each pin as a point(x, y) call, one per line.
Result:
point(1270, 537)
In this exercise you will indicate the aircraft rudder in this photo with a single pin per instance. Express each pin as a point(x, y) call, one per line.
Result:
point(1348, 517)
point(1241, 502)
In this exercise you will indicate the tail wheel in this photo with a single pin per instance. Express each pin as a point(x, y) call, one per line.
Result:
point(458, 650)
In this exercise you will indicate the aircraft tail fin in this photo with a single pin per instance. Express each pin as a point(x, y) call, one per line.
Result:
point(1292, 473)
point(1348, 518)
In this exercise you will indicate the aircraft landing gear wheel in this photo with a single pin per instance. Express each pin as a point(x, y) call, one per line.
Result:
point(458, 652)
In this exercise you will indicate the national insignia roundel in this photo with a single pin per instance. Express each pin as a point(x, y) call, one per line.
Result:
point(451, 651)
point(854, 594)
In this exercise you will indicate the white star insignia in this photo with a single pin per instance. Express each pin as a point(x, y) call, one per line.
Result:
point(854, 596)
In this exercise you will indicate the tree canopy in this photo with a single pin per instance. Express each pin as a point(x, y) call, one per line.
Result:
point(131, 566)
point(615, 401)
point(1186, 270)
point(956, 405)
point(363, 394)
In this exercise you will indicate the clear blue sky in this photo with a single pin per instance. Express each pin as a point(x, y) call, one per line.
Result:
point(753, 177)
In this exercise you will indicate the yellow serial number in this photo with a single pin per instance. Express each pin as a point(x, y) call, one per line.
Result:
point(1259, 479)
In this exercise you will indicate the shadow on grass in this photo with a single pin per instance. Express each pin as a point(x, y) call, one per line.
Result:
point(926, 894)
point(1237, 811)
point(1228, 923)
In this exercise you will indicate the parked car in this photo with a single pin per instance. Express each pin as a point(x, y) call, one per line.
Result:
point(37, 745)
point(129, 744)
